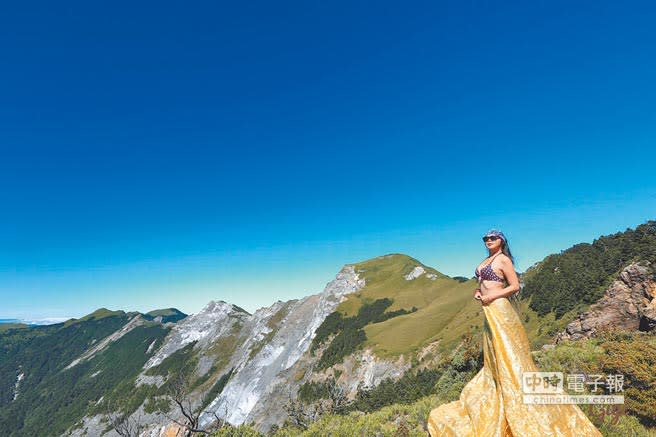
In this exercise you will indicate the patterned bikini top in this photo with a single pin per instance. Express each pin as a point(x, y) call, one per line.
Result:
point(487, 272)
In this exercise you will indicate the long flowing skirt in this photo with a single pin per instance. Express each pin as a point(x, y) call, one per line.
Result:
point(491, 404)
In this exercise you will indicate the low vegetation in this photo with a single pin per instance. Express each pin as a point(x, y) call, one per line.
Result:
point(631, 354)
point(348, 331)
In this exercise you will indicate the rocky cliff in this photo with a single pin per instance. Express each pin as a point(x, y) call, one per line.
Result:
point(628, 304)
point(278, 337)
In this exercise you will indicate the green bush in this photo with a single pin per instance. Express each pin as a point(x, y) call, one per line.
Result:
point(350, 335)
point(625, 426)
point(410, 387)
point(237, 431)
point(634, 356)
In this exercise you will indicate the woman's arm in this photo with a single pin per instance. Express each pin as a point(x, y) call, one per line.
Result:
point(511, 277)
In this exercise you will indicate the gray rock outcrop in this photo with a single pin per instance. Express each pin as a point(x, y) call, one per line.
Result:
point(256, 378)
point(629, 304)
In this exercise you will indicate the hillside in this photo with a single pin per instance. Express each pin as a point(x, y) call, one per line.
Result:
point(444, 305)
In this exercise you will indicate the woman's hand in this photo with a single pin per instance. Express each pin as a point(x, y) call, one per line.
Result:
point(485, 300)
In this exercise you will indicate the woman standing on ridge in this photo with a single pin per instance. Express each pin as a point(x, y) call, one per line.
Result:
point(492, 403)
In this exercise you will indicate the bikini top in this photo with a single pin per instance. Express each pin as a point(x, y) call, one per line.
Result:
point(487, 272)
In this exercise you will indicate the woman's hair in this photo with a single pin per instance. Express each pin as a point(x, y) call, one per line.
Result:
point(505, 249)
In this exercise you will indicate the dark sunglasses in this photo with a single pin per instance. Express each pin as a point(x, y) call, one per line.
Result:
point(491, 238)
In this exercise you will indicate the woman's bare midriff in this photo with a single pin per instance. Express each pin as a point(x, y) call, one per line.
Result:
point(489, 286)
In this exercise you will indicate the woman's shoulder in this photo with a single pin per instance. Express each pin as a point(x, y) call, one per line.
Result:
point(503, 258)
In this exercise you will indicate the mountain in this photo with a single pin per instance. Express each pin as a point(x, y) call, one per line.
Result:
point(165, 315)
point(388, 329)
point(267, 354)
point(55, 372)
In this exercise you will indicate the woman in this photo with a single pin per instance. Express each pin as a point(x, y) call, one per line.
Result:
point(491, 404)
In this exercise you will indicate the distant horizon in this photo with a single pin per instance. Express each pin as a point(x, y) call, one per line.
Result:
point(37, 322)
point(53, 320)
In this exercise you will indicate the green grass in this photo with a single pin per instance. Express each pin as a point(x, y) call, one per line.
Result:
point(98, 314)
point(222, 349)
point(8, 326)
point(163, 312)
point(384, 278)
point(445, 308)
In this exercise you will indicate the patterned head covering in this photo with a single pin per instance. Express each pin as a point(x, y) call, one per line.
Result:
point(496, 233)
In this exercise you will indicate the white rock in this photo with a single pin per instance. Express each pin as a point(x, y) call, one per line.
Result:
point(415, 273)
point(257, 377)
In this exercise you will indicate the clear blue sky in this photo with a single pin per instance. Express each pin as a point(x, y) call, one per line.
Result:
point(167, 154)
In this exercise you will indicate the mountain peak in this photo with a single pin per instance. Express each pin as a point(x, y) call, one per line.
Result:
point(221, 306)
point(165, 315)
point(101, 313)
point(399, 263)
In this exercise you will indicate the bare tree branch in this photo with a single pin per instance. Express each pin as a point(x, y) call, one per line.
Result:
point(179, 391)
point(124, 424)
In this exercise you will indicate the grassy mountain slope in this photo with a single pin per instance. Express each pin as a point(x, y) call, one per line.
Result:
point(442, 304)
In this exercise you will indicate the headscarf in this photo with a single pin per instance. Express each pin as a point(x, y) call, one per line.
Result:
point(496, 233)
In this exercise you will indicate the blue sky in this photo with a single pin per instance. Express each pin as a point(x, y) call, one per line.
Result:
point(157, 155)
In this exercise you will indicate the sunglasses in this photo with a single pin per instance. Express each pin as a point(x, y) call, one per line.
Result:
point(490, 238)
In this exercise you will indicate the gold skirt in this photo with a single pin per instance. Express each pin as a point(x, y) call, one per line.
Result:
point(491, 404)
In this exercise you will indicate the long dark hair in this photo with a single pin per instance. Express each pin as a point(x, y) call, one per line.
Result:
point(505, 249)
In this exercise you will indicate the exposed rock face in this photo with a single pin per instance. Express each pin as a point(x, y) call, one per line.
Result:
point(415, 273)
point(214, 320)
point(628, 305)
point(19, 378)
point(256, 378)
point(366, 370)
